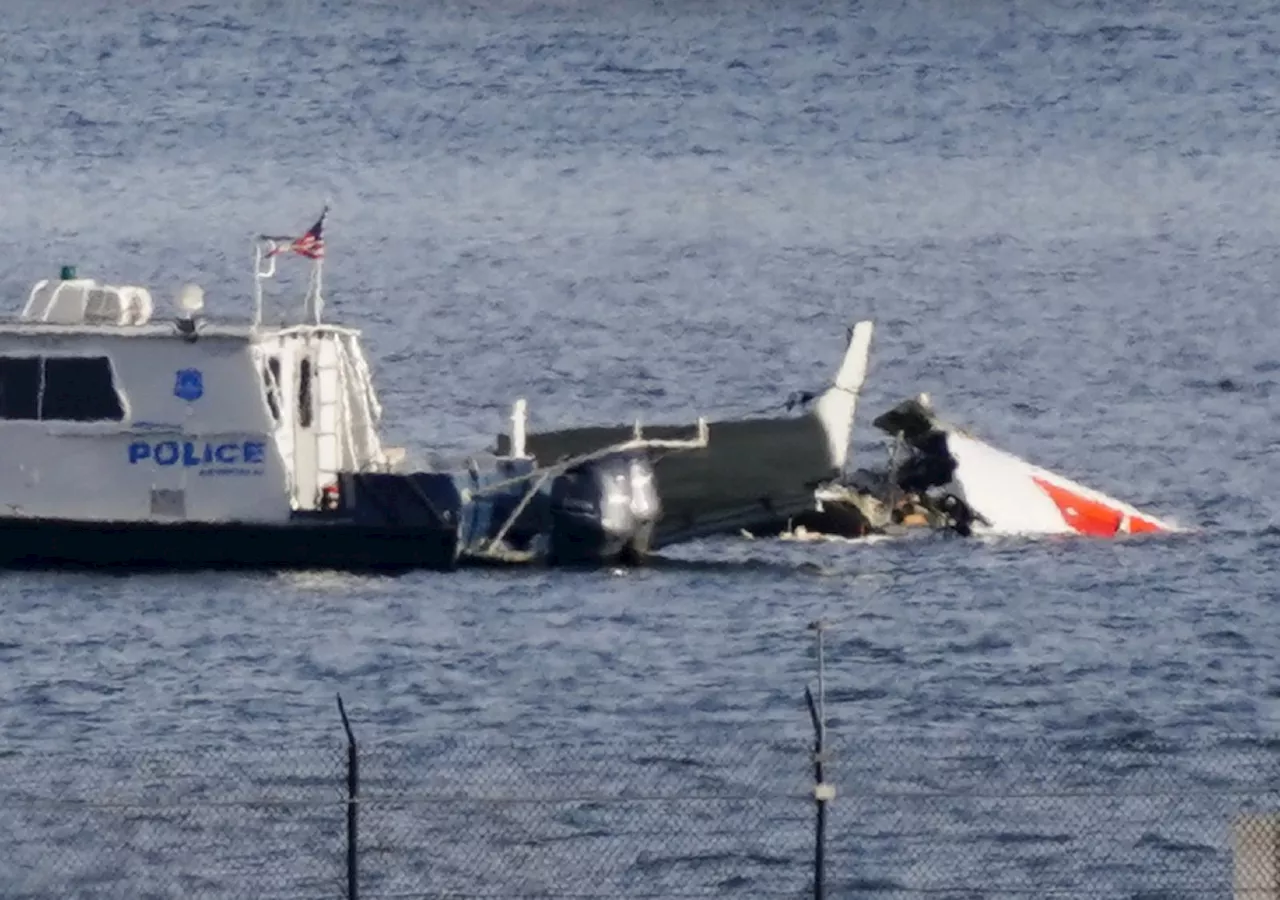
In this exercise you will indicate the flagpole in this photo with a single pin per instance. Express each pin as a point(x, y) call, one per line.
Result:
point(317, 278)
point(313, 300)
point(310, 245)
point(316, 299)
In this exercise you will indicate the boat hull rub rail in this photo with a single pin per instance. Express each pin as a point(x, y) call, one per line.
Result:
point(55, 544)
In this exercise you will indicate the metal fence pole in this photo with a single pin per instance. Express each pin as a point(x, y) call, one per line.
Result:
point(353, 794)
point(822, 792)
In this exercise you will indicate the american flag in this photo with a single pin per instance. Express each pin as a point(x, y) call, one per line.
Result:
point(311, 244)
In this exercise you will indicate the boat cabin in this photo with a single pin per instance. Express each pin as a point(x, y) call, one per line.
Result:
point(113, 411)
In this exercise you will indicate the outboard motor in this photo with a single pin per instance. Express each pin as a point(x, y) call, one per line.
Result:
point(604, 510)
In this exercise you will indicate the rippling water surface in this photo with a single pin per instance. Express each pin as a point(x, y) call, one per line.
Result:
point(1063, 221)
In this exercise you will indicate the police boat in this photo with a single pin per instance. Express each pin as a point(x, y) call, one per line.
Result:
point(178, 442)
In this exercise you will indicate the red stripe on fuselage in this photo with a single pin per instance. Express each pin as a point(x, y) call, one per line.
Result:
point(1087, 516)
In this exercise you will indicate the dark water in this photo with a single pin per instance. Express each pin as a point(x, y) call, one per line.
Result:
point(1062, 218)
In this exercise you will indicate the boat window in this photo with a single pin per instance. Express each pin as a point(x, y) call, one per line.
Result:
point(304, 393)
point(102, 306)
point(19, 387)
point(58, 388)
point(79, 389)
point(271, 381)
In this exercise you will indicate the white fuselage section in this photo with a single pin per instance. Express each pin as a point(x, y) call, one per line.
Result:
point(1015, 497)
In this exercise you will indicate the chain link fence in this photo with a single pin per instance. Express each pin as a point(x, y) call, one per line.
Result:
point(239, 822)
point(1121, 817)
point(444, 819)
point(620, 821)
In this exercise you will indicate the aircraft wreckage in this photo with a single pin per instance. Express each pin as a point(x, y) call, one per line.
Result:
point(939, 476)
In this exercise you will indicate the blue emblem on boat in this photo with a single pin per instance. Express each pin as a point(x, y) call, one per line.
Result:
point(189, 385)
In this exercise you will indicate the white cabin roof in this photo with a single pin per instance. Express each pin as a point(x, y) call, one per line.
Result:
point(85, 301)
point(73, 306)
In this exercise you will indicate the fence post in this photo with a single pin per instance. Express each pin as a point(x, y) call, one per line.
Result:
point(353, 795)
point(822, 792)
point(1256, 852)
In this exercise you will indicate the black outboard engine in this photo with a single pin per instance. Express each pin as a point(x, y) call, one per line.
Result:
point(604, 510)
